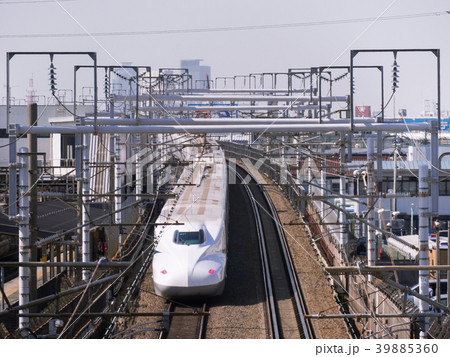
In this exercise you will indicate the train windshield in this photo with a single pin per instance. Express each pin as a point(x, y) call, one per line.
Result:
point(188, 238)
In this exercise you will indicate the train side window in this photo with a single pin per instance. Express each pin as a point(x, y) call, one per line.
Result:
point(188, 238)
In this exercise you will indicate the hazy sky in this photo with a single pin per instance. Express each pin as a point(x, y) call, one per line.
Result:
point(234, 37)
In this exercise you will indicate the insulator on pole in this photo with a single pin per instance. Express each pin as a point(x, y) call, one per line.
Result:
point(395, 75)
point(52, 78)
point(106, 86)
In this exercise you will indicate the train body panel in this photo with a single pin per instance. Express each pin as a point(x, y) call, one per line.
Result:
point(190, 258)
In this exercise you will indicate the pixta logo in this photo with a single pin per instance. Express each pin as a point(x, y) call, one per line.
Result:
point(257, 169)
point(153, 163)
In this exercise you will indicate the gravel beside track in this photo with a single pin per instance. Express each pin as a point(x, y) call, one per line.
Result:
point(315, 286)
point(146, 301)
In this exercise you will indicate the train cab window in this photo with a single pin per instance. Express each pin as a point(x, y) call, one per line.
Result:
point(188, 238)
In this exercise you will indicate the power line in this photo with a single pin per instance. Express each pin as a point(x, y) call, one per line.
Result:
point(229, 28)
point(28, 2)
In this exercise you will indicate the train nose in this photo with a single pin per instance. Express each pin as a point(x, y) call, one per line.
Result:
point(178, 272)
point(208, 271)
point(176, 277)
point(170, 272)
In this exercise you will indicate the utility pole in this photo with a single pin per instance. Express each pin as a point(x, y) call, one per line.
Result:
point(32, 179)
point(424, 283)
point(85, 239)
point(342, 192)
point(323, 174)
point(24, 236)
point(371, 239)
point(79, 180)
point(118, 186)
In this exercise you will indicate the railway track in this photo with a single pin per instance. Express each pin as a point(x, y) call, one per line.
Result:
point(185, 322)
point(284, 301)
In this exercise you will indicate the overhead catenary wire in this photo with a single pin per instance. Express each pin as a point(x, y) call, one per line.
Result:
point(15, 2)
point(229, 28)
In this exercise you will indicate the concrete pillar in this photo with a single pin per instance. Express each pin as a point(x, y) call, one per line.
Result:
point(24, 236)
point(32, 177)
point(138, 162)
point(423, 244)
point(434, 159)
point(85, 240)
point(12, 180)
point(79, 178)
point(371, 239)
point(380, 153)
point(323, 175)
point(118, 186)
point(342, 192)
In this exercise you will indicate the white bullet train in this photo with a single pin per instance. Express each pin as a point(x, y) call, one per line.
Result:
point(190, 259)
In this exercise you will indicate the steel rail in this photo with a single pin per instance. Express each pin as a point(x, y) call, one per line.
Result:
point(184, 326)
point(114, 314)
point(300, 304)
point(274, 328)
point(202, 321)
